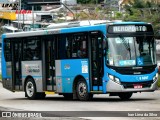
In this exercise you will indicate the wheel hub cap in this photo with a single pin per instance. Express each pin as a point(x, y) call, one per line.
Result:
point(30, 89)
point(82, 89)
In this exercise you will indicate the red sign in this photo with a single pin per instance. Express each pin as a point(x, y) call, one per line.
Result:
point(23, 11)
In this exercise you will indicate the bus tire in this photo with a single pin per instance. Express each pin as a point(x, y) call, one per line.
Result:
point(82, 91)
point(125, 95)
point(30, 89)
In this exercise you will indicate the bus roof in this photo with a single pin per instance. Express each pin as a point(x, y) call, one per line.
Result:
point(77, 23)
point(50, 31)
point(67, 27)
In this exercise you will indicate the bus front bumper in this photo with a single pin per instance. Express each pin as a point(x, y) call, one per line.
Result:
point(115, 87)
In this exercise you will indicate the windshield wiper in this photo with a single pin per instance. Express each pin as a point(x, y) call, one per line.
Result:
point(126, 44)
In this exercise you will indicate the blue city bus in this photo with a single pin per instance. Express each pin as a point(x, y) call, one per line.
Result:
point(78, 61)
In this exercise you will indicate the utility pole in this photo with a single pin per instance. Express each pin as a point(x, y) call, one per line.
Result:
point(33, 16)
point(19, 15)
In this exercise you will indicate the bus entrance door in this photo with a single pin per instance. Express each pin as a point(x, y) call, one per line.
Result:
point(16, 65)
point(96, 61)
point(50, 65)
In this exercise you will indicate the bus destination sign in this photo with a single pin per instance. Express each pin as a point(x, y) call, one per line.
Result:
point(129, 28)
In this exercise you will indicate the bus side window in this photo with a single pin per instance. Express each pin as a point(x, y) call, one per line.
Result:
point(61, 47)
point(37, 50)
point(73, 46)
point(79, 46)
point(74, 49)
point(68, 47)
point(28, 54)
point(7, 50)
point(32, 48)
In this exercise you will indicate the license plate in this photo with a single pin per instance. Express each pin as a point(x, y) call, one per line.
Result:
point(138, 86)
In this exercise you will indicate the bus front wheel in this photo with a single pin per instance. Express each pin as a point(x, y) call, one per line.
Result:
point(82, 91)
point(30, 89)
point(125, 95)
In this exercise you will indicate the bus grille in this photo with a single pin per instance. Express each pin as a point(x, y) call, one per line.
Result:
point(131, 84)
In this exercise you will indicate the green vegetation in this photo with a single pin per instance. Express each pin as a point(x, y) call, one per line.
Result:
point(136, 10)
point(159, 80)
point(143, 11)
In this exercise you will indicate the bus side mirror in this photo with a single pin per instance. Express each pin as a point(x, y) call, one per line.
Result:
point(157, 35)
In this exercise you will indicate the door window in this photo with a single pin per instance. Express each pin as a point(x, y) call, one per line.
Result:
point(32, 48)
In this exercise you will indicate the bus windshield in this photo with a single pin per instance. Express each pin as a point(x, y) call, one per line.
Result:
point(131, 51)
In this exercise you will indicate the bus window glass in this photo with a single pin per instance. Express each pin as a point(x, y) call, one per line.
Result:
point(74, 46)
point(145, 50)
point(68, 48)
point(7, 50)
point(32, 49)
point(79, 46)
point(130, 51)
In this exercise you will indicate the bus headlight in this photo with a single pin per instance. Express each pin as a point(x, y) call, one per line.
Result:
point(155, 77)
point(115, 79)
point(111, 77)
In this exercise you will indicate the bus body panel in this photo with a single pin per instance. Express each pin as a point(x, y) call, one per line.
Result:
point(114, 87)
point(33, 69)
point(8, 83)
point(6, 70)
point(85, 28)
point(3, 62)
point(58, 76)
point(98, 88)
point(66, 72)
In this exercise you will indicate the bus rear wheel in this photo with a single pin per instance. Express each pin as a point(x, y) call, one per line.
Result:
point(125, 95)
point(30, 89)
point(82, 91)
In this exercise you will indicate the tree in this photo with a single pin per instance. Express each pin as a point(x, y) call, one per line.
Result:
point(139, 10)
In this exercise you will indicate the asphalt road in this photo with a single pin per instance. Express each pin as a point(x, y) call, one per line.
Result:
point(149, 101)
